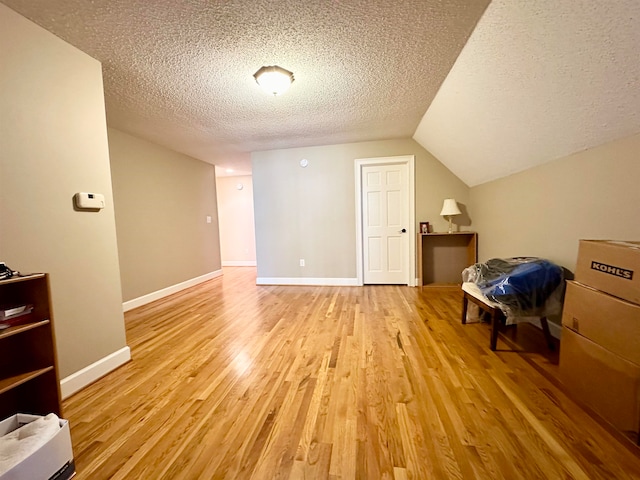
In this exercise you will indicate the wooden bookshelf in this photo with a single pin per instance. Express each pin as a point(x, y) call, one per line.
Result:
point(443, 256)
point(29, 380)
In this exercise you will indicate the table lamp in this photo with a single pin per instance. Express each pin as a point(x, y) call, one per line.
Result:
point(450, 209)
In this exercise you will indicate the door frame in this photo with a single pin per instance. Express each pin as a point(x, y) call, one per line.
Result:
point(409, 161)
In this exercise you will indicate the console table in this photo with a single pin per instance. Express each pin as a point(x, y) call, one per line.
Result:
point(443, 256)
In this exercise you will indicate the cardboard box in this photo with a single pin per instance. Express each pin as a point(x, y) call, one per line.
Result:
point(53, 460)
point(610, 266)
point(609, 321)
point(609, 384)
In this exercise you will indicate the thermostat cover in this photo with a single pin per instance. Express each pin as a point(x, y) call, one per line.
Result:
point(89, 201)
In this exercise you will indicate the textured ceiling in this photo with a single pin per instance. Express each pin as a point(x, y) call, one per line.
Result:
point(537, 80)
point(179, 73)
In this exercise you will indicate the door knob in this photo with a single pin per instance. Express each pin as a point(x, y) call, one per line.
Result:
point(404, 230)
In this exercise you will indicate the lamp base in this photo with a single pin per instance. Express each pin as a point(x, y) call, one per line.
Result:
point(450, 225)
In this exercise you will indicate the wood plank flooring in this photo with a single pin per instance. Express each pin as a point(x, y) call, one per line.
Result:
point(238, 381)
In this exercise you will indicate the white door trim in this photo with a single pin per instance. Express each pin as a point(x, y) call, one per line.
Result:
point(408, 160)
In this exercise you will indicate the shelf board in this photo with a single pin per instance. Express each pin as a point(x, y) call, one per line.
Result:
point(443, 285)
point(7, 332)
point(9, 383)
point(435, 234)
point(21, 278)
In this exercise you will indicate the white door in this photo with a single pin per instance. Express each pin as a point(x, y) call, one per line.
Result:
point(385, 224)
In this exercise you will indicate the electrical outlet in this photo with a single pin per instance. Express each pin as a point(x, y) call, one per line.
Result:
point(302, 262)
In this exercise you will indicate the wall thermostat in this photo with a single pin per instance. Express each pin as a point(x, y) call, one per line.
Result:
point(90, 201)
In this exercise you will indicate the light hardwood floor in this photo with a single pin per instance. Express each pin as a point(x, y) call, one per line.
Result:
point(232, 380)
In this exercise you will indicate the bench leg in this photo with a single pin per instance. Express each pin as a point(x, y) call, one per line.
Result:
point(495, 325)
point(465, 304)
point(547, 334)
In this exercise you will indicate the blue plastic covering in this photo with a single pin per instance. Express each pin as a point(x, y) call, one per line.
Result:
point(523, 286)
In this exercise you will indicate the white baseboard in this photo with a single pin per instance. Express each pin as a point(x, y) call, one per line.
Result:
point(239, 263)
point(165, 292)
point(329, 282)
point(77, 381)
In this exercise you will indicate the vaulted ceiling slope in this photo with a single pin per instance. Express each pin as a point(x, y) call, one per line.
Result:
point(180, 73)
point(537, 80)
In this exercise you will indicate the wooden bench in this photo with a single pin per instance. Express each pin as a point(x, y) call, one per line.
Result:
point(471, 293)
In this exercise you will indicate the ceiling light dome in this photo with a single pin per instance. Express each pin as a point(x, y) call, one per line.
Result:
point(273, 79)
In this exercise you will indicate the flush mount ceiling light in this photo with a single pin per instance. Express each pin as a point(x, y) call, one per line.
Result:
point(273, 79)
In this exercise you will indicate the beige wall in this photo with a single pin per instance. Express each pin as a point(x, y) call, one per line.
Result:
point(53, 139)
point(309, 212)
point(162, 199)
point(235, 215)
point(434, 183)
point(544, 211)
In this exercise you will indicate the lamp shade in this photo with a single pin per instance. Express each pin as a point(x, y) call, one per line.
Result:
point(273, 79)
point(450, 207)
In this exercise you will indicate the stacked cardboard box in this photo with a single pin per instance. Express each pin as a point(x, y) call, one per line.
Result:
point(600, 349)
